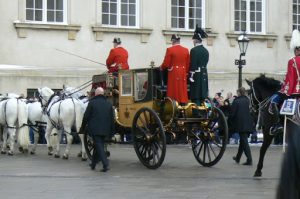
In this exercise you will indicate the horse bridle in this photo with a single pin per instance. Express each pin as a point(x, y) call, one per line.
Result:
point(259, 104)
point(41, 98)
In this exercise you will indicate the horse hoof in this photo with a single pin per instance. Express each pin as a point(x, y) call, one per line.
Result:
point(50, 153)
point(65, 157)
point(50, 148)
point(32, 152)
point(79, 154)
point(83, 159)
point(21, 150)
point(10, 153)
point(57, 156)
point(3, 152)
point(257, 174)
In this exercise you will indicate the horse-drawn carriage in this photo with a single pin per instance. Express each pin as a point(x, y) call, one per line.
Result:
point(143, 110)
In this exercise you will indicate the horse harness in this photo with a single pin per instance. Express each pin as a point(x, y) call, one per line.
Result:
point(5, 116)
point(261, 104)
point(47, 110)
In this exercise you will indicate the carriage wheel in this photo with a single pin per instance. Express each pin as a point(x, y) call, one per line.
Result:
point(149, 138)
point(209, 145)
point(89, 145)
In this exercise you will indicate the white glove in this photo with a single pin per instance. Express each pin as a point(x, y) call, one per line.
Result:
point(191, 77)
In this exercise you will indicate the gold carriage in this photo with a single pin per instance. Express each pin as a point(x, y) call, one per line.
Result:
point(143, 111)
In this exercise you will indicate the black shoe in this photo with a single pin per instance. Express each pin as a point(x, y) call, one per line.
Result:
point(248, 163)
point(235, 159)
point(92, 166)
point(275, 129)
point(104, 169)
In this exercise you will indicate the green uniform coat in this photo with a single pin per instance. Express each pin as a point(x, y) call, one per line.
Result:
point(199, 57)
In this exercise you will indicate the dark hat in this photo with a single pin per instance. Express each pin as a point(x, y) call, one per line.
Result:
point(175, 37)
point(199, 33)
point(117, 40)
point(219, 94)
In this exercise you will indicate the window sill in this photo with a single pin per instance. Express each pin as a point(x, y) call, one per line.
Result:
point(99, 31)
point(22, 28)
point(270, 38)
point(185, 33)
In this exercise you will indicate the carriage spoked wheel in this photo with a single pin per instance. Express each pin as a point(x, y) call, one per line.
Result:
point(149, 138)
point(90, 146)
point(210, 139)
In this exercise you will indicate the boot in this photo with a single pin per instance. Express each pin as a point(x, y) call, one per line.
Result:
point(273, 109)
point(275, 129)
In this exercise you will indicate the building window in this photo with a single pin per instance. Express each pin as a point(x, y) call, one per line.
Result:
point(296, 14)
point(249, 16)
point(185, 14)
point(46, 11)
point(120, 13)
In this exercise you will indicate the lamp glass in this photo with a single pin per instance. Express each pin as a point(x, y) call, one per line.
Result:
point(243, 43)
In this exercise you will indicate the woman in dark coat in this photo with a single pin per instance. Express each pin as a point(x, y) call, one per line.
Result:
point(242, 123)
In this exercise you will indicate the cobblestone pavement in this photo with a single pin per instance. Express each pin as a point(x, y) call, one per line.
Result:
point(41, 176)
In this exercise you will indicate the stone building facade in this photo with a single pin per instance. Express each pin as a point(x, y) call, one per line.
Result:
point(37, 37)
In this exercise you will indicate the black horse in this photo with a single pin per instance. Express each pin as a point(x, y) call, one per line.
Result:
point(289, 183)
point(261, 89)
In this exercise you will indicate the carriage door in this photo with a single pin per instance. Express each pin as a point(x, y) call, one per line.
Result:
point(126, 114)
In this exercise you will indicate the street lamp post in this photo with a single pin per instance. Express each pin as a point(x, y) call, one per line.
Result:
point(243, 41)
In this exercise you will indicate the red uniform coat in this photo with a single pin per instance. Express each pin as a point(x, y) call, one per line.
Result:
point(291, 83)
point(117, 59)
point(177, 61)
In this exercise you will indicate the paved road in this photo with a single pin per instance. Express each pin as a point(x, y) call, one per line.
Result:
point(180, 176)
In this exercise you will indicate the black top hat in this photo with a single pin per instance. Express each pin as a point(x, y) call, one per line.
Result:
point(117, 40)
point(199, 33)
point(175, 37)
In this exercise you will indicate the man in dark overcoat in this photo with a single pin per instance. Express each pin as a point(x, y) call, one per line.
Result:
point(99, 122)
point(199, 57)
point(242, 122)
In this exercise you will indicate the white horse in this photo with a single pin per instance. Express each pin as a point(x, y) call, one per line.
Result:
point(35, 119)
point(13, 120)
point(63, 114)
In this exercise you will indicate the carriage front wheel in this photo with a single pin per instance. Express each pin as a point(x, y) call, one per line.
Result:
point(149, 138)
point(210, 140)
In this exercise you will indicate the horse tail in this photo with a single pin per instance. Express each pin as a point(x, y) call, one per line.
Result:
point(79, 111)
point(23, 132)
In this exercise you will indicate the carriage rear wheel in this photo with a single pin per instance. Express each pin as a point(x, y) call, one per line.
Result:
point(90, 146)
point(209, 144)
point(149, 138)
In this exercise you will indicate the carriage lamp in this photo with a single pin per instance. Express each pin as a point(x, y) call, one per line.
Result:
point(243, 42)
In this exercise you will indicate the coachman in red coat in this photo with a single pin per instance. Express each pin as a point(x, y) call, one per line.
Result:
point(177, 61)
point(118, 57)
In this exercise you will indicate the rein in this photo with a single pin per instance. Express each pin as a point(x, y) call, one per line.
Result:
point(81, 87)
point(261, 104)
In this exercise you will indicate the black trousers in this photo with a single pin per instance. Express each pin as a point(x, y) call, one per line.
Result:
point(244, 147)
point(99, 153)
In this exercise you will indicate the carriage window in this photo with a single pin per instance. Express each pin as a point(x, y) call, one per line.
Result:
point(126, 85)
point(141, 85)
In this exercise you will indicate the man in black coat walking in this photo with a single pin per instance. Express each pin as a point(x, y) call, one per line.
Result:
point(99, 119)
point(242, 122)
